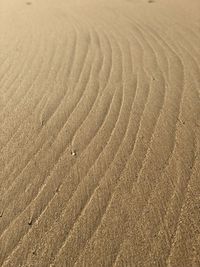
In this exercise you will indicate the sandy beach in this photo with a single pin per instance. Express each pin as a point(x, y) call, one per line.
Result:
point(100, 133)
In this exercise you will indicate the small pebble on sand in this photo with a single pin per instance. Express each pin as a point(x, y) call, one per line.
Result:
point(30, 221)
point(73, 153)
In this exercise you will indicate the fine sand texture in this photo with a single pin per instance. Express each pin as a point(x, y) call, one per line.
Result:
point(99, 133)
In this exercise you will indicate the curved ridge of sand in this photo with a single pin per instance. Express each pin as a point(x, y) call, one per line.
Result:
point(99, 133)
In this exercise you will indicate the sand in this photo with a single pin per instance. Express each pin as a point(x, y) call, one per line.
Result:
point(99, 133)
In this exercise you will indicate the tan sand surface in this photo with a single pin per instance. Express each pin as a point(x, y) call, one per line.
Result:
point(100, 133)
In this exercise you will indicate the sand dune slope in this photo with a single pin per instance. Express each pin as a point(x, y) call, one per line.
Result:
point(99, 133)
